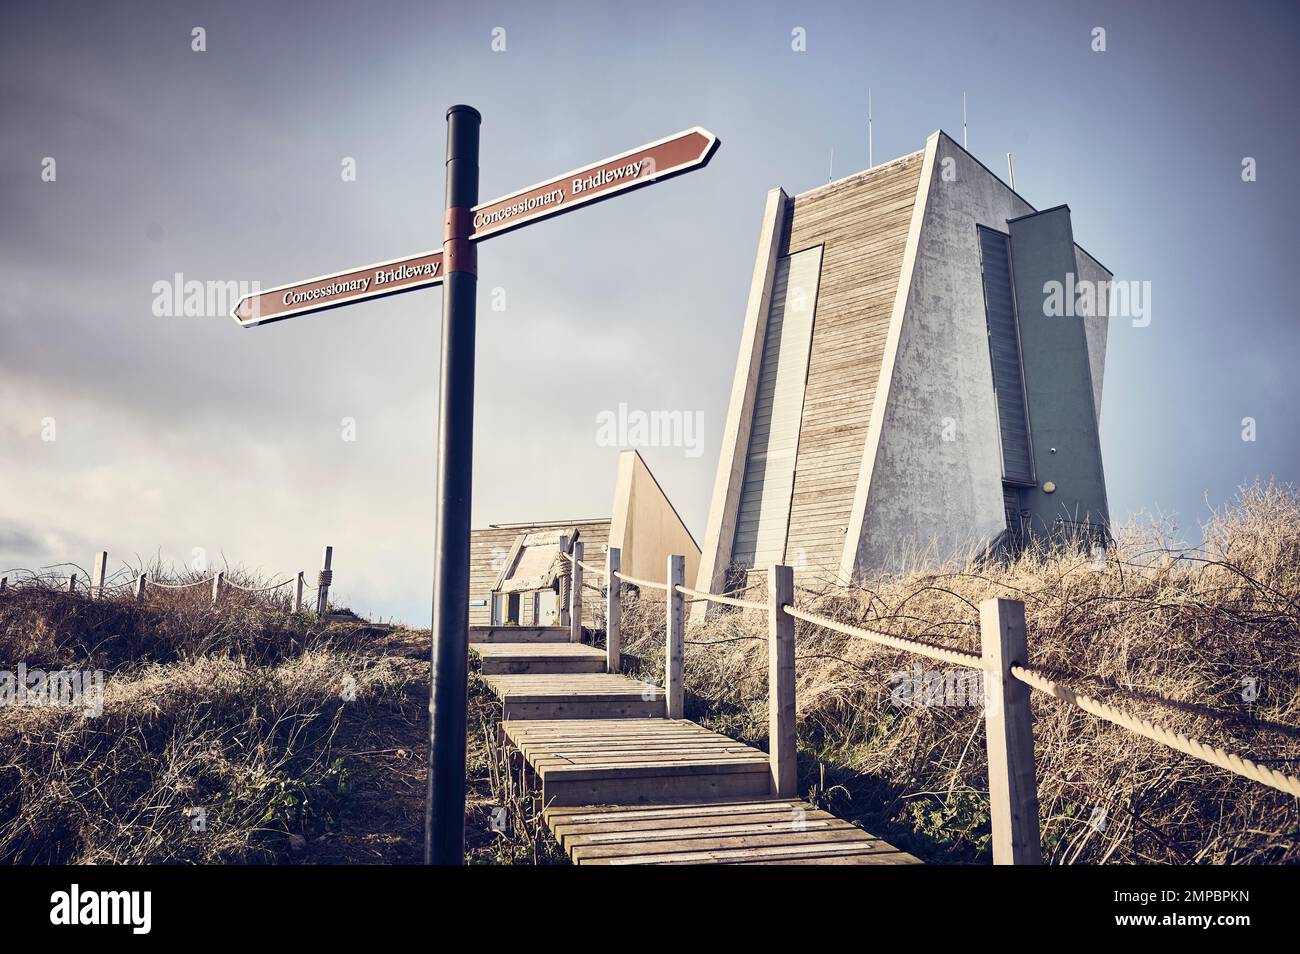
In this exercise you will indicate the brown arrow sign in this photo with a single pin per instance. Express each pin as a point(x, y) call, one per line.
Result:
point(654, 162)
point(341, 288)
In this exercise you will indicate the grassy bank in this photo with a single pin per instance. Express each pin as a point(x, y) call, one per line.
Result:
point(1135, 625)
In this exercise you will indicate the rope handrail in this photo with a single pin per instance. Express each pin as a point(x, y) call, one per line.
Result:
point(644, 584)
point(1188, 745)
point(593, 586)
point(718, 598)
point(180, 586)
point(589, 568)
point(260, 589)
point(942, 653)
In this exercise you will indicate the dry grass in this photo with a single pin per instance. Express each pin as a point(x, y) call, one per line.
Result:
point(1135, 625)
point(248, 713)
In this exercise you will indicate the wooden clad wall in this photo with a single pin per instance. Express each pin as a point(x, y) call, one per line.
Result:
point(762, 521)
point(862, 222)
point(489, 548)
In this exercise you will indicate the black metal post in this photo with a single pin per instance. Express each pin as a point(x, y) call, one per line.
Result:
point(444, 825)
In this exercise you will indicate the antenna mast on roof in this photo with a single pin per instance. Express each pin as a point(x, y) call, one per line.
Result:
point(963, 121)
point(871, 153)
point(830, 167)
point(1011, 171)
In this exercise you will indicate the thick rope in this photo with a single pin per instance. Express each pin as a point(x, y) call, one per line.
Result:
point(324, 578)
point(1188, 745)
point(942, 653)
point(644, 584)
point(181, 586)
point(725, 600)
point(258, 589)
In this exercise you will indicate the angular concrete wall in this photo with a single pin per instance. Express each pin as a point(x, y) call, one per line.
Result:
point(719, 536)
point(1059, 383)
point(645, 526)
point(931, 479)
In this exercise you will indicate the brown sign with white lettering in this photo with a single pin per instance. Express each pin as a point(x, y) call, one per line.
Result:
point(341, 288)
point(654, 162)
point(630, 170)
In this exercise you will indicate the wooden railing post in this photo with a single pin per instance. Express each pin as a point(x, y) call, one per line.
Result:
point(575, 596)
point(676, 637)
point(323, 581)
point(1013, 788)
point(566, 599)
point(216, 586)
point(783, 751)
point(140, 584)
point(613, 610)
point(4, 583)
point(98, 572)
point(72, 582)
point(297, 593)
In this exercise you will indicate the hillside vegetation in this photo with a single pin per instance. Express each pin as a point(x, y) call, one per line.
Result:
point(1214, 631)
point(248, 734)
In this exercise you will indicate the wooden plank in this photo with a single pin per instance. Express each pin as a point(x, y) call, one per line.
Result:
point(1013, 790)
point(734, 831)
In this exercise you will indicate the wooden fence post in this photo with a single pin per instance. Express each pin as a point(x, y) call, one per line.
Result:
point(98, 571)
point(613, 610)
point(297, 594)
point(323, 582)
point(783, 750)
point(72, 582)
point(4, 583)
point(140, 583)
point(676, 619)
point(575, 596)
point(566, 599)
point(216, 586)
point(1013, 789)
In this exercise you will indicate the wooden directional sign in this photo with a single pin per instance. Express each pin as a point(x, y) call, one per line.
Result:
point(630, 170)
point(341, 288)
point(654, 162)
point(466, 220)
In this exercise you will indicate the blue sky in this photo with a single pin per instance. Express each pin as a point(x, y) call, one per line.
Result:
point(175, 434)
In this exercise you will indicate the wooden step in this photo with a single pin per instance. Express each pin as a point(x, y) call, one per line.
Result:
point(498, 659)
point(577, 696)
point(761, 831)
point(519, 634)
point(636, 761)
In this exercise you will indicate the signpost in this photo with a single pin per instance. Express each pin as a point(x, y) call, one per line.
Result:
point(465, 224)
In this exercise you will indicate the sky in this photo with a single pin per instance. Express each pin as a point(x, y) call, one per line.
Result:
point(187, 438)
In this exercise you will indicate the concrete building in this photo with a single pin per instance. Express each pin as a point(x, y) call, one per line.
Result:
point(517, 576)
point(903, 390)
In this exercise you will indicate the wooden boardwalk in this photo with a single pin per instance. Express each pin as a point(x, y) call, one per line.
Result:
point(623, 784)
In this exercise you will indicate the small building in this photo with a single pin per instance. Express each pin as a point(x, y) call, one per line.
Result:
point(902, 389)
point(517, 574)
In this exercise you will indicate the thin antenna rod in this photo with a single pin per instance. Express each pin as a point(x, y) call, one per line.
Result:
point(871, 146)
point(1011, 171)
point(830, 168)
point(963, 120)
